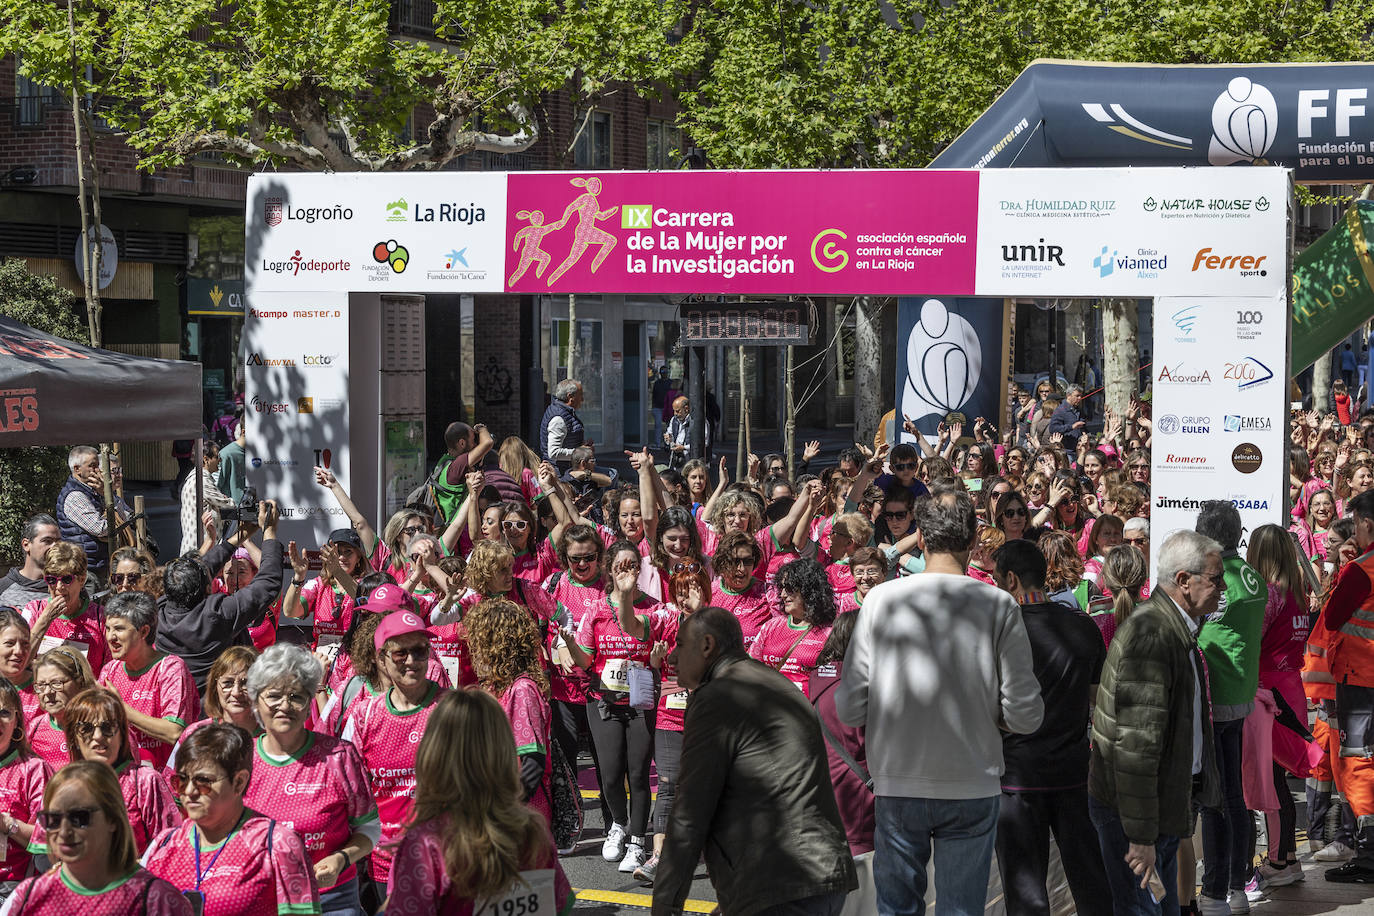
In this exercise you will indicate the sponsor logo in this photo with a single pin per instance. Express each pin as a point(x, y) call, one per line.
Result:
point(467, 214)
point(456, 256)
point(1245, 502)
point(1187, 462)
point(393, 254)
point(396, 211)
point(1031, 261)
point(262, 406)
point(1175, 502)
point(1146, 262)
point(275, 463)
point(1245, 121)
point(305, 405)
point(296, 265)
point(257, 359)
point(264, 313)
point(1169, 424)
point(324, 457)
point(1247, 458)
point(1238, 424)
point(302, 788)
point(272, 210)
point(318, 359)
point(456, 267)
point(1247, 373)
point(830, 258)
point(1184, 320)
point(1179, 374)
point(310, 215)
point(19, 410)
point(1248, 323)
point(1246, 265)
point(413, 737)
point(1061, 208)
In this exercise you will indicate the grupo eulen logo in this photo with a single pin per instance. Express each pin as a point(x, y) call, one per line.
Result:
point(1247, 458)
point(1169, 424)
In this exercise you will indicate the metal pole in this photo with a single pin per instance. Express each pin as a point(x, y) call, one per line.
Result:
point(107, 485)
point(790, 430)
point(696, 394)
point(739, 440)
point(199, 471)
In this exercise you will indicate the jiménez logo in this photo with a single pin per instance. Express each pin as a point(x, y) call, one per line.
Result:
point(836, 258)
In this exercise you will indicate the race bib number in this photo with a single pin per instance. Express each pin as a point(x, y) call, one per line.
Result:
point(329, 645)
point(53, 642)
point(454, 668)
point(531, 895)
point(676, 700)
point(616, 675)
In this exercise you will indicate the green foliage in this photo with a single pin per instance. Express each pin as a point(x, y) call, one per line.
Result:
point(31, 477)
point(325, 84)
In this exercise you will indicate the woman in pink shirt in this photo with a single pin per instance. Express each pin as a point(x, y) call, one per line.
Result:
point(458, 859)
point(22, 778)
point(16, 652)
point(791, 643)
point(59, 675)
point(67, 617)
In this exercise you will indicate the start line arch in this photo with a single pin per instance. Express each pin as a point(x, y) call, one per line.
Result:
point(1212, 247)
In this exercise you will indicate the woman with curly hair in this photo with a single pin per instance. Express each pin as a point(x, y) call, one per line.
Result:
point(792, 643)
point(735, 588)
point(491, 574)
point(1065, 567)
point(507, 653)
point(742, 510)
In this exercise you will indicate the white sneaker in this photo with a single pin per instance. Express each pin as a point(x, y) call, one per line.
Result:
point(1334, 852)
point(614, 848)
point(634, 858)
point(1271, 875)
point(1239, 902)
point(1210, 906)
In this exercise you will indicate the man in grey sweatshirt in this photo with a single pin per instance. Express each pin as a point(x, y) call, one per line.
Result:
point(939, 666)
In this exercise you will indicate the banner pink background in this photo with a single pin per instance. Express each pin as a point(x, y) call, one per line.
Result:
point(607, 232)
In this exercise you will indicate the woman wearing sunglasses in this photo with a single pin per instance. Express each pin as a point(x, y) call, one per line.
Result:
point(59, 675)
point(68, 616)
point(227, 858)
point(790, 644)
point(89, 837)
point(1011, 514)
point(735, 588)
point(327, 600)
point(22, 778)
point(314, 782)
point(534, 556)
point(386, 729)
point(677, 543)
point(131, 568)
point(97, 729)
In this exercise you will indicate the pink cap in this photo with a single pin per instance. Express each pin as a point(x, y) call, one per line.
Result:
point(399, 623)
point(387, 597)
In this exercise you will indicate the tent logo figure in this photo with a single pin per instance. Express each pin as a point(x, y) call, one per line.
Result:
point(272, 210)
point(944, 359)
point(1245, 121)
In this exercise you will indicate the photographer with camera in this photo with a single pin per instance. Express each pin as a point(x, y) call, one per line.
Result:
point(214, 497)
point(197, 624)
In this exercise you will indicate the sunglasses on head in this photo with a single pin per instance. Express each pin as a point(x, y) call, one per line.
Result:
point(126, 578)
point(67, 579)
point(79, 818)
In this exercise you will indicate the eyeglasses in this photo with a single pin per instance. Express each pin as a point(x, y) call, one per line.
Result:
point(688, 566)
point(126, 578)
point(51, 686)
point(737, 561)
point(1036, 487)
point(1219, 580)
point(904, 466)
point(67, 579)
point(867, 572)
point(585, 559)
point(79, 818)
point(1018, 512)
point(515, 524)
point(398, 656)
point(181, 783)
point(902, 514)
point(236, 683)
point(1125, 540)
point(276, 700)
point(85, 730)
point(412, 530)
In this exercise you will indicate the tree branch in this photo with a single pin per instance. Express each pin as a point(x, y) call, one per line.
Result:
point(447, 140)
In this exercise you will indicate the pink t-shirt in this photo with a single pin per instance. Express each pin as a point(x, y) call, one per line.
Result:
point(21, 797)
point(331, 610)
point(750, 607)
point(28, 699)
point(48, 741)
point(420, 884)
point(261, 869)
point(163, 689)
point(573, 601)
point(388, 740)
point(83, 631)
point(137, 893)
point(530, 720)
point(535, 566)
point(672, 698)
point(1284, 637)
point(779, 640)
point(614, 651)
point(321, 792)
point(840, 575)
point(148, 800)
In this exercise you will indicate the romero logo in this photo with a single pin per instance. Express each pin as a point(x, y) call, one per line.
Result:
point(836, 258)
point(1247, 458)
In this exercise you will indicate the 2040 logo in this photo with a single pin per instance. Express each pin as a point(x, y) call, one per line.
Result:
point(1249, 318)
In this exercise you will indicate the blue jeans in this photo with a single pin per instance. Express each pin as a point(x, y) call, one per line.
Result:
point(962, 831)
point(342, 900)
point(1226, 831)
point(1127, 895)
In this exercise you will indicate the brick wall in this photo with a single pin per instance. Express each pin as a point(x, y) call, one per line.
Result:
point(496, 351)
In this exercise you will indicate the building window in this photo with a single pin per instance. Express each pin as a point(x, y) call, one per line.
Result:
point(662, 145)
point(32, 100)
point(593, 147)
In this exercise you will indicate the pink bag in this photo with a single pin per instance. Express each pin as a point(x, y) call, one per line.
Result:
point(1257, 754)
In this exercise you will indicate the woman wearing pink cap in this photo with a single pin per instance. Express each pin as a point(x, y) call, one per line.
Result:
point(387, 729)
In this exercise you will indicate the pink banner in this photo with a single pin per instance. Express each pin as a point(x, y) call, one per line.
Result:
point(770, 233)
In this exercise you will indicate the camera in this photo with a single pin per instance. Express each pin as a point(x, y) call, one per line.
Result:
point(245, 511)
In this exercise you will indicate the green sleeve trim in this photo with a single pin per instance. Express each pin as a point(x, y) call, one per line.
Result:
point(174, 719)
point(304, 909)
point(38, 849)
point(535, 748)
point(367, 818)
point(590, 650)
point(572, 901)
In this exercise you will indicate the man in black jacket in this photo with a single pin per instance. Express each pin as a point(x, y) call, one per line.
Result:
point(754, 790)
point(198, 625)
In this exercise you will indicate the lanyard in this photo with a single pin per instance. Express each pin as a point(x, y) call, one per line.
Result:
point(195, 840)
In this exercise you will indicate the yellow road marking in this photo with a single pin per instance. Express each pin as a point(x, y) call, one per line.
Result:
point(593, 793)
point(640, 900)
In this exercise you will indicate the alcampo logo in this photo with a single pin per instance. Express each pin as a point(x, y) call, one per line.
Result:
point(836, 258)
point(393, 253)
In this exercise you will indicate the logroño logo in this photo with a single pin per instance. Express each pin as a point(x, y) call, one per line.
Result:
point(272, 210)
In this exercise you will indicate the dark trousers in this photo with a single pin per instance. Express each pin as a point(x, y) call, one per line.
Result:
point(569, 721)
point(1128, 898)
point(1318, 806)
point(1284, 845)
point(1024, 824)
point(819, 905)
point(667, 763)
point(624, 747)
point(1226, 830)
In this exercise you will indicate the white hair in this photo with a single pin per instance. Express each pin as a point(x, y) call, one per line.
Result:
point(1137, 524)
point(285, 664)
point(566, 389)
point(77, 456)
point(1183, 551)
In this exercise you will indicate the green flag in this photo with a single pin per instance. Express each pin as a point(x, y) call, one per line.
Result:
point(1333, 287)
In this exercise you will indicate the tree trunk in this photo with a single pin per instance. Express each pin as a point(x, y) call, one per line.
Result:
point(789, 435)
point(87, 190)
point(740, 451)
point(1321, 385)
point(572, 336)
point(868, 386)
point(1121, 352)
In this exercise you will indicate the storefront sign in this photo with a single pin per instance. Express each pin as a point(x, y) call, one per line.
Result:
point(216, 298)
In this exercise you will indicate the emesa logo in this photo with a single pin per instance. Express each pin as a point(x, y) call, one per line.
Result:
point(262, 406)
point(1179, 375)
point(1247, 373)
point(1239, 424)
point(1247, 265)
point(257, 359)
point(1247, 458)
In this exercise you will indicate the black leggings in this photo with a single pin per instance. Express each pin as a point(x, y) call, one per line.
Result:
point(667, 761)
point(624, 747)
point(1284, 845)
point(569, 721)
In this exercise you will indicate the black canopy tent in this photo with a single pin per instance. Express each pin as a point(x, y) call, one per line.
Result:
point(56, 392)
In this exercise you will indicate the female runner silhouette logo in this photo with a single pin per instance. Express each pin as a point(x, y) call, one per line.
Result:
point(533, 237)
point(588, 212)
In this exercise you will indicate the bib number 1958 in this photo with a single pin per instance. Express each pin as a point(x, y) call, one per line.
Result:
point(531, 895)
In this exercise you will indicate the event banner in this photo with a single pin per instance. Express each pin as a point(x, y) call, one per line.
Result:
point(399, 232)
point(295, 354)
point(1219, 408)
point(950, 361)
point(817, 233)
point(1332, 280)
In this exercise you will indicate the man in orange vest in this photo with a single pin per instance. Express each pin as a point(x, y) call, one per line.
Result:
point(1347, 625)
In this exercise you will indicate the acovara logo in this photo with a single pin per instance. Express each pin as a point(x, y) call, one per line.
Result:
point(257, 359)
point(262, 406)
point(1247, 458)
point(1247, 265)
point(392, 253)
point(1179, 375)
point(1234, 423)
point(1245, 121)
point(1247, 372)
